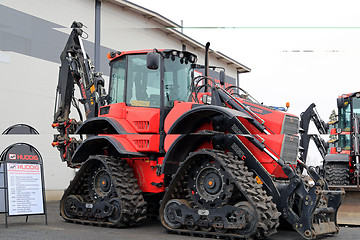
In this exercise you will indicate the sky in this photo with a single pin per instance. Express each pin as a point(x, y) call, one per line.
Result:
point(300, 52)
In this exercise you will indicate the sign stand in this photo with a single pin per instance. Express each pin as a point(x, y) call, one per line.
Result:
point(22, 188)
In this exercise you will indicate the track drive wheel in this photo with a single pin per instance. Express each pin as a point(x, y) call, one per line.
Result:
point(208, 183)
point(100, 182)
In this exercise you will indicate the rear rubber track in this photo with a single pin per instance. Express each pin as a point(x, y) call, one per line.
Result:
point(125, 187)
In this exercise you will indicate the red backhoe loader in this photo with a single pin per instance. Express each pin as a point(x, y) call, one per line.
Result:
point(163, 141)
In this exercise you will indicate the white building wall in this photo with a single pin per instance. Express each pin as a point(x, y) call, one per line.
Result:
point(124, 30)
point(62, 12)
point(28, 82)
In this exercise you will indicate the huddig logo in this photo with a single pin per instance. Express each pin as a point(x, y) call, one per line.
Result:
point(28, 167)
point(13, 156)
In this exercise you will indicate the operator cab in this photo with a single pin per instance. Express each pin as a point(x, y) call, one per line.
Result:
point(132, 81)
point(348, 106)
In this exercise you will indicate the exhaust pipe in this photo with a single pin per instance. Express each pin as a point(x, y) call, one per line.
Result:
point(207, 46)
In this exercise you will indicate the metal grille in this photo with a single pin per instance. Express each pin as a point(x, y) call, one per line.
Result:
point(290, 148)
point(142, 125)
point(290, 125)
point(142, 143)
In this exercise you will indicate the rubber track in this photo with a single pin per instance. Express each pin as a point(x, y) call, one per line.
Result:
point(127, 190)
point(337, 173)
point(243, 179)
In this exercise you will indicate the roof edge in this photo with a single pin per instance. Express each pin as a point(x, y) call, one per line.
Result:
point(171, 27)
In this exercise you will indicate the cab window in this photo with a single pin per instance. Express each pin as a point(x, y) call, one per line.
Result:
point(345, 117)
point(117, 81)
point(143, 84)
point(177, 80)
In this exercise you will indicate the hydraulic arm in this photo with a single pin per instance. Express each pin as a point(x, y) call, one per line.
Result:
point(76, 68)
point(311, 114)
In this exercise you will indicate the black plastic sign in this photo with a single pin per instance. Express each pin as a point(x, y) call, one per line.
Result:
point(23, 184)
point(20, 129)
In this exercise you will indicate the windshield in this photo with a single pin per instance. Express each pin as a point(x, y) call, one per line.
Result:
point(177, 80)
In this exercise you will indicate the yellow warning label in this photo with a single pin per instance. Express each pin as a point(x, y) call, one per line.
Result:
point(92, 88)
point(140, 103)
point(258, 180)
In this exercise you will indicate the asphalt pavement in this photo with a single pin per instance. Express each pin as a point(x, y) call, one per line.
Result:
point(57, 228)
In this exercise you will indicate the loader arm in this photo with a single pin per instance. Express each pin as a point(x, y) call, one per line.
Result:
point(311, 210)
point(311, 114)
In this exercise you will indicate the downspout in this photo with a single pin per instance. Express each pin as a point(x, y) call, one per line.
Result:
point(97, 34)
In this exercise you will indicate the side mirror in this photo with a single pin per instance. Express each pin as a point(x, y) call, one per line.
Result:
point(222, 77)
point(152, 60)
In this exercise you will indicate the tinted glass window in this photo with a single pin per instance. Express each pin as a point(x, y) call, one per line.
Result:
point(345, 117)
point(344, 141)
point(117, 81)
point(143, 84)
point(177, 81)
point(356, 105)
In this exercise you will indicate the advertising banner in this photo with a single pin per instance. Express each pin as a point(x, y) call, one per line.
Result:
point(22, 189)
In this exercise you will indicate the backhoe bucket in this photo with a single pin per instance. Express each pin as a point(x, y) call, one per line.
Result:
point(349, 211)
point(312, 211)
